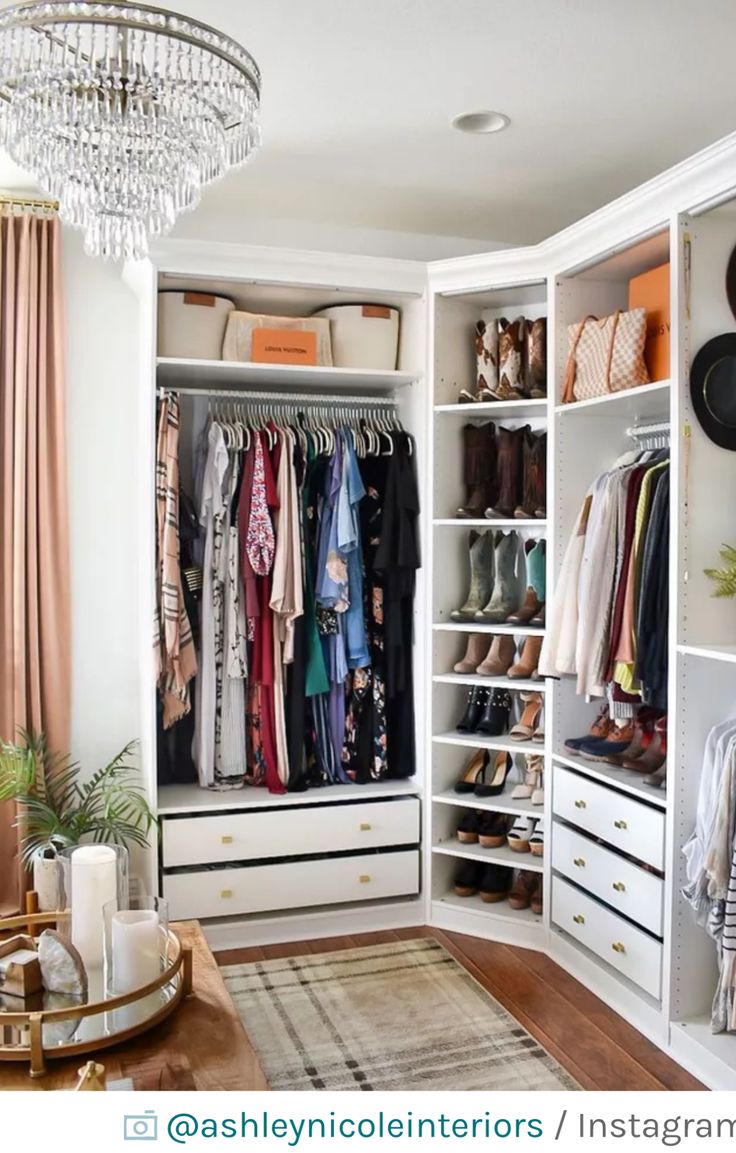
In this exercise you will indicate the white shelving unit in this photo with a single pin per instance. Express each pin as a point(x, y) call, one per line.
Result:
point(583, 270)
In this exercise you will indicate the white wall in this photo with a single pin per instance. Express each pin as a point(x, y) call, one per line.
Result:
point(101, 324)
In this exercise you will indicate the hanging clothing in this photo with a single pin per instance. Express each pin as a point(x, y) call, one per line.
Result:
point(175, 658)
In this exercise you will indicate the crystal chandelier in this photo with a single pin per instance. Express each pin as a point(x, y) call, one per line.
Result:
point(122, 113)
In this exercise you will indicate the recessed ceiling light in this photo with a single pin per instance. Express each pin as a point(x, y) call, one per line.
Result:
point(481, 123)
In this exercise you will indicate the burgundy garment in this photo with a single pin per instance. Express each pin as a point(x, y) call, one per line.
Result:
point(632, 499)
point(244, 500)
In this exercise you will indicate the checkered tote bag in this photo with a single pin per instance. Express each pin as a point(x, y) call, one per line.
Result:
point(606, 355)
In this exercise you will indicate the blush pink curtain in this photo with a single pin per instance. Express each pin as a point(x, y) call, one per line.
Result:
point(35, 656)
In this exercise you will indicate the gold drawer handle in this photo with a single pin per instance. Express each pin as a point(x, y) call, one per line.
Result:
point(580, 862)
point(364, 878)
point(580, 805)
point(226, 840)
point(579, 919)
point(364, 826)
point(226, 894)
point(620, 825)
point(619, 886)
point(618, 947)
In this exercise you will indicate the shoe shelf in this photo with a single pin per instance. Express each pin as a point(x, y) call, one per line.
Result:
point(514, 685)
point(478, 907)
point(648, 400)
point(462, 522)
point(480, 741)
point(490, 408)
point(503, 803)
point(726, 653)
point(502, 856)
point(477, 627)
point(623, 779)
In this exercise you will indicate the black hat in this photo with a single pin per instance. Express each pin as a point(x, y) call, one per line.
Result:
point(713, 389)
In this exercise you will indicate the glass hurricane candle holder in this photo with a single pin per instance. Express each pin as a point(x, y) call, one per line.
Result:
point(91, 876)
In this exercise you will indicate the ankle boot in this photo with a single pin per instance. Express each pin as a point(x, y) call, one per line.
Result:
point(505, 595)
point(509, 472)
point(535, 583)
point(486, 353)
point(474, 706)
point(474, 653)
point(500, 657)
point(481, 549)
point(479, 469)
point(510, 360)
point(526, 666)
point(536, 357)
point(495, 718)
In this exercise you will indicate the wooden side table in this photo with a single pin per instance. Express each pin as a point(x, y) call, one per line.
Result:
point(203, 1045)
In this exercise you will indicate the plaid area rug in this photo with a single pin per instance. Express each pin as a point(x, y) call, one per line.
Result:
point(400, 1016)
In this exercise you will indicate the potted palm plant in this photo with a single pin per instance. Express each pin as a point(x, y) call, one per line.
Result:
point(56, 809)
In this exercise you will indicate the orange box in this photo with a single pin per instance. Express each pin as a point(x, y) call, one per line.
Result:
point(651, 290)
point(283, 346)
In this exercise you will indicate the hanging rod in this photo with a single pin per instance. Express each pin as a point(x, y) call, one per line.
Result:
point(641, 430)
point(282, 397)
point(28, 202)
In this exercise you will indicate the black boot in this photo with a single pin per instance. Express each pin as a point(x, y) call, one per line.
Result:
point(477, 699)
point(495, 718)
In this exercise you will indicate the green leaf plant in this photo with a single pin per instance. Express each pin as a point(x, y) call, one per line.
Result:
point(56, 807)
point(724, 578)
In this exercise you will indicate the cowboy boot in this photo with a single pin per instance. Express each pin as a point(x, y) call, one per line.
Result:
point(486, 353)
point(474, 653)
point(481, 550)
point(536, 358)
point(535, 583)
point(509, 470)
point(526, 666)
point(510, 360)
point(506, 585)
point(500, 657)
point(528, 503)
point(479, 469)
point(539, 471)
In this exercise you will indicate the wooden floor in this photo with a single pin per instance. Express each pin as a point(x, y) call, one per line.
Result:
point(592, 1042)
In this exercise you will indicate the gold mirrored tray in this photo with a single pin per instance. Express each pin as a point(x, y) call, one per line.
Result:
point(53, 1025)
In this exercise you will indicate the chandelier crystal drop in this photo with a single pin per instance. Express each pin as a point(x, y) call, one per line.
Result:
point(123, 113)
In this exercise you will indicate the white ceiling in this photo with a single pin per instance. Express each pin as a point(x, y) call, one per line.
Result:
point(358, 96)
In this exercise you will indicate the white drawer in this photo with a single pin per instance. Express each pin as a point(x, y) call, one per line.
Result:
point(627, 887)
point(628, 949)
point(620, 820)
point(258, 835)
point(295, 885)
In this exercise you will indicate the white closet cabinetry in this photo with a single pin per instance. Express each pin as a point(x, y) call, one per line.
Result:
point(637, 945)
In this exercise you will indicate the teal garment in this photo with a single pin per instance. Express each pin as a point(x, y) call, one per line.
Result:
point(351, 494)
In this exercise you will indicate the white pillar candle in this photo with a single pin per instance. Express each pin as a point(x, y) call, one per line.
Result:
point(94, 870)
point(135, 949)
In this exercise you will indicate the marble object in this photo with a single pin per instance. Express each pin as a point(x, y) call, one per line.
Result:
point(46, 879)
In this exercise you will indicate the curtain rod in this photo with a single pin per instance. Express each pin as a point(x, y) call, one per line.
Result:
point(29, 201)
point(281, 397)
point(648, 429)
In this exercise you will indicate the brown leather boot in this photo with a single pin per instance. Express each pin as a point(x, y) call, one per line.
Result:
point(509, 472)
point(500, 657)
point(529, 485)
point(474, 653)
point(539, 475)
point(536, 357)
point(526, 666)
point(479, 469)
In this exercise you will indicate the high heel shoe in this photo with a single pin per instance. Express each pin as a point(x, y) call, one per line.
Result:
point(525, 790)
point(499, 659)
point(476, 703)
point(474, 773)
point(526, 726)
point(495, 718)
point(501, 769)
point(526, 666)
point(475, 652)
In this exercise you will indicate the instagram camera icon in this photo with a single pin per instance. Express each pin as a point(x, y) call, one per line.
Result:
point(140, 1126)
